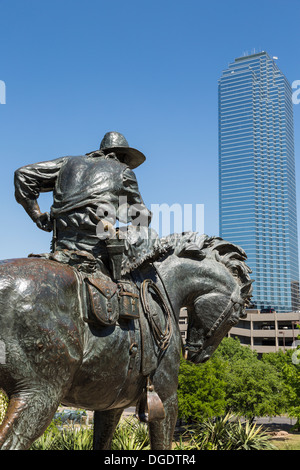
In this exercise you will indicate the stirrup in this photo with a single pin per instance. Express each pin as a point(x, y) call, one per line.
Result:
point(150, 407)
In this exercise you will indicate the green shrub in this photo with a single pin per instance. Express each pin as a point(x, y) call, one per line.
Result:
point(48, 441)
point(225, 433)
point(71, 438)
point(131, 434)
point(75, 439)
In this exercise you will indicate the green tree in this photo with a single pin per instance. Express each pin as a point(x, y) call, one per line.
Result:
point(201, 389)
point(231, 349)
point(253, 387)
point(288, 366)
point(233, 380)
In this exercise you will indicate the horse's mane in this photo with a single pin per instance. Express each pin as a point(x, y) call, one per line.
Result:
point(188, 245)
point(194, 246)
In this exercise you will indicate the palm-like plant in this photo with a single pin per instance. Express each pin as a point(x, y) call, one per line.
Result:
point(131, 435)
point(226, 433)
point(246, 436)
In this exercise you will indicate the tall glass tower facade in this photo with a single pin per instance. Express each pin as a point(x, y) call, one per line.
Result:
point(257, 192)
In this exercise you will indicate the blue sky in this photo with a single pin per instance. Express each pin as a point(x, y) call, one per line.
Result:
point(75, 69)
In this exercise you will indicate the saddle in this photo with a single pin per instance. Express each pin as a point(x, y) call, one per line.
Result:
point(107, 302)
point(111, 302)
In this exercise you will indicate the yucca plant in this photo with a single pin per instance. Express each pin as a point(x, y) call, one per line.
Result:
point(211, 434)
point(48, 441)
point(214, 433)
point(66, 439)
point(246, 436)
point(75, 439)
point(187, 443)
point(131, 434)
point(225, 433)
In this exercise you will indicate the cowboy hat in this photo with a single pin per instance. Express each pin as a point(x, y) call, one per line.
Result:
point(116, 142)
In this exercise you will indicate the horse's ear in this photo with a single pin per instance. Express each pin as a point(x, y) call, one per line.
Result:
point(191, 251)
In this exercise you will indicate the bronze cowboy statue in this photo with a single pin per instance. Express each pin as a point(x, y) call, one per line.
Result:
point(84, 187)
point(94, 323)
point(91, 190)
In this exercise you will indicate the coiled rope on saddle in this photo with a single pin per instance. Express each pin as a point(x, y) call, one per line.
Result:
point(161, 336)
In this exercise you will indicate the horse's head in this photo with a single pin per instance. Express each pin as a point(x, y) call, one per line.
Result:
point(213, 283)
point(218, 307)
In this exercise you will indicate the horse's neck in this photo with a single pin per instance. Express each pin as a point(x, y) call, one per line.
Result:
point(176, 278)
point(185, 279)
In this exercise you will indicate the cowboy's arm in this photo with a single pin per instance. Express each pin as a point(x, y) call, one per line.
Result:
point(30, 181)
point(138, 212)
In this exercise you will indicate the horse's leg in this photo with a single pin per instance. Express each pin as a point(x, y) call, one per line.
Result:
point(28, 415)
point(105, 423)
point(161, 432)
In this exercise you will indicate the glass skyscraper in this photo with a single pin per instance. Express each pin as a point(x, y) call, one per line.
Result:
point(257, 192)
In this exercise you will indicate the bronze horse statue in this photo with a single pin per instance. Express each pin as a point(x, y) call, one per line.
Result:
point(53, 356)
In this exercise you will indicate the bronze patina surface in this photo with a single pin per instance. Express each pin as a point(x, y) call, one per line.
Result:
point(95, 323)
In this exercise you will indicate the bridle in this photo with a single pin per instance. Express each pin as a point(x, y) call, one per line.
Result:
point(235, 300)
